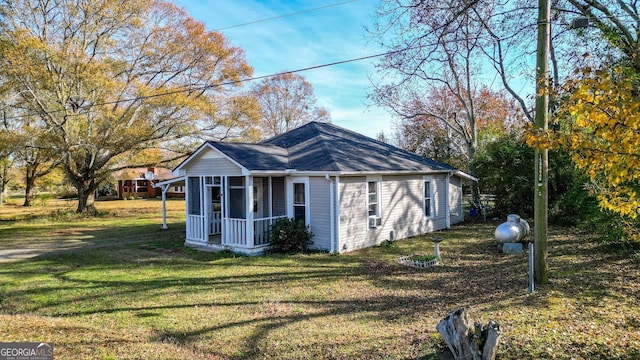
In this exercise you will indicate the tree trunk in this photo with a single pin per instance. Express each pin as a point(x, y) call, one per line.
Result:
point(4, 181)
point(30, 181)
point(86, 198)
point(466, 342)
point(3, 191)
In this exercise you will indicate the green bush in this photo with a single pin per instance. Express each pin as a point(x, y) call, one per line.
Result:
point(289, 236)
point(427, 257)
point(506, 169)
point(389, 244)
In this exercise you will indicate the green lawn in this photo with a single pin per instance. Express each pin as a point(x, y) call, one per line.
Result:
point(152, 298)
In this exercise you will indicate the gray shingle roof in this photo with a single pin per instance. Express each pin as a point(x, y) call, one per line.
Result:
point(326, 147)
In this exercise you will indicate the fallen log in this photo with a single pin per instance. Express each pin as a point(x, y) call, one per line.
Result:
point(466, 342)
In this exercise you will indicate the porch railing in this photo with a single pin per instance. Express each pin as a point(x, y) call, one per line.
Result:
point(235, 232)
point(261, 229)
point(195, 227)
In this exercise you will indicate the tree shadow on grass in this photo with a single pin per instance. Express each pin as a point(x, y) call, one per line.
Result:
point(159, 278)
point(94, 280)
point(59, 241)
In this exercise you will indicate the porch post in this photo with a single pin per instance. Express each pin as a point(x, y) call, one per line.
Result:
point(249, 210)
point(165, 187)
point(337, 215)
point(224, 201)
point(332, 215)
point(270, 200)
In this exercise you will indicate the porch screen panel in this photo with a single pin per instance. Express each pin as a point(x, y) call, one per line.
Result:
point(279, 199)
point(194, 196)
point(265, 197)
point(237, 205)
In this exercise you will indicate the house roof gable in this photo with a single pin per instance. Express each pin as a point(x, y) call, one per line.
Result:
point(254, 156)
point(200, 151)
point(327, 147)
point(320, 146)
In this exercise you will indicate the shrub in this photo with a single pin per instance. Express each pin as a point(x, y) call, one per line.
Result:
point(427, 257)
point(289, 236)
point(388, 244)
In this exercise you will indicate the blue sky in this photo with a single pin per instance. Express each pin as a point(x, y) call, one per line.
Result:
point(331, 34)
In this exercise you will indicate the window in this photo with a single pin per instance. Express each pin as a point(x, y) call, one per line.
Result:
point(373, 204)
point(299, 203)
point(297, 196)
point(427, 198)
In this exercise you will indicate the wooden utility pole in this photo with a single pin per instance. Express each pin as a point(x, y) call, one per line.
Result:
point(540, 205)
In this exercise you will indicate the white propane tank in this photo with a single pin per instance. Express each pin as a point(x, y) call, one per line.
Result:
point(514, 230)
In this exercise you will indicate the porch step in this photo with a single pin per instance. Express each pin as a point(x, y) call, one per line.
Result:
point(209, 247)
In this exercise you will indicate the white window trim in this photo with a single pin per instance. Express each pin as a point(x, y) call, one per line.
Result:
point(431, 205)
point(378, 222)
point(307, 211)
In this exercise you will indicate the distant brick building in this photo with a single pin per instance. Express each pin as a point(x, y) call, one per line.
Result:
point(133, 183)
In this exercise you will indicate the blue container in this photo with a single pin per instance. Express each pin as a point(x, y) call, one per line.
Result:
point(473, 212)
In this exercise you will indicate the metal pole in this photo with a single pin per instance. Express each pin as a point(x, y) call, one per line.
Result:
point(531, 268)
point(540, 204)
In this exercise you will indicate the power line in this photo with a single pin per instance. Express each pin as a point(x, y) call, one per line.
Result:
point(285, 15)
point(212, 86)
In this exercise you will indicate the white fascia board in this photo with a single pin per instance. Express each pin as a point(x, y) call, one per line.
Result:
point(292, 173)
point(406, 172)
point(359, 173)
point(169, 181)
point(464, 175)
point(180, 171)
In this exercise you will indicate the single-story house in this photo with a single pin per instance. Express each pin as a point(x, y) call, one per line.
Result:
point(352, 191)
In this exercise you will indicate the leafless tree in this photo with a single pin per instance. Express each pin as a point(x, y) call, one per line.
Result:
point(286, 102)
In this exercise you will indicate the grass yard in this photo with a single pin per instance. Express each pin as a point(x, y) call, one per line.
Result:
point(124, 289)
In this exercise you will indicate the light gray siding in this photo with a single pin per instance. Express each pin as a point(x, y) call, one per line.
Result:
point(455, 199)
point(402, 210)
point(439, 218)
point(353, 214)
point(212, 163)
point(320, 213)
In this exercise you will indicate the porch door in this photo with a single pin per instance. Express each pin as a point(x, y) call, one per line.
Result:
point(214, 191)
point(298, 199)
point(261, 211)
point(196, 229)
point(258, 199)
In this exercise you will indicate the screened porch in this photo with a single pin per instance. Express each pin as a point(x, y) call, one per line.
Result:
point(233, 211)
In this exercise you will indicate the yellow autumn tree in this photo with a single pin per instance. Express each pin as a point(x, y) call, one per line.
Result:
point(107, 79)
point(599, 122)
